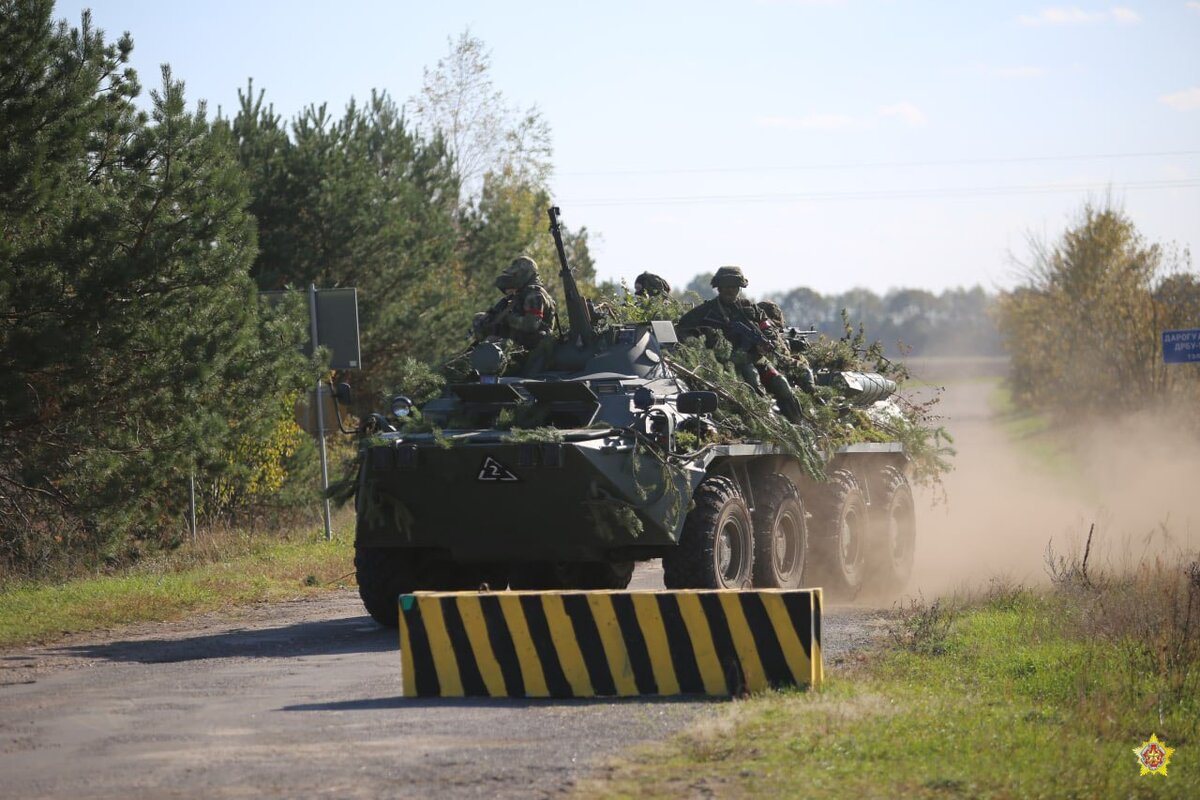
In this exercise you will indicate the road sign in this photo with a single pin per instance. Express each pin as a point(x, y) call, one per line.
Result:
point(336, 314)
point(337, 326)
point(1181, 347)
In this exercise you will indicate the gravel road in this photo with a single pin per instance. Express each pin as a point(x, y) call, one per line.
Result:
point(300, 699)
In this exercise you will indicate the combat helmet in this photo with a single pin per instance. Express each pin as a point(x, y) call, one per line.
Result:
point(772, 310)
point(521, 272)
point(650, 285)
point(729, 276)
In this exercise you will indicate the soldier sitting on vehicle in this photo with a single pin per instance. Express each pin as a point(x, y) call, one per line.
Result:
point(743, 324)
point(524, 315)
point(790, 350)
point(650, 285)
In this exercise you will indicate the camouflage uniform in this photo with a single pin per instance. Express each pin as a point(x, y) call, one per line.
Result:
point(790, 350)
point(724, 313)
point(650, 285)
point(526, 315)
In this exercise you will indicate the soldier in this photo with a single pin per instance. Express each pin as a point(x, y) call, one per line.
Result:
point(789, 349)
point(525, 313)
point(650, 285)
point(743, 324)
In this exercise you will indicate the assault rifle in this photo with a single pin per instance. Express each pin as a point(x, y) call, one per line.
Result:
point(797, 338)
point(745, 336)
point(578, 314)
point(748, 337)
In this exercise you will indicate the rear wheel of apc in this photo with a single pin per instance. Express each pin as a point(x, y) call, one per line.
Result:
point(895, 526)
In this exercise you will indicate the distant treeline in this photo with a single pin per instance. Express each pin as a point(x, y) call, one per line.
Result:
point(907, 322)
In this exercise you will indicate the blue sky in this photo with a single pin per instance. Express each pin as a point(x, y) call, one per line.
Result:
point(816, 143)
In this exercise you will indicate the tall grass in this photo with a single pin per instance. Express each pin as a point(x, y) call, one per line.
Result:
point(1148, 613)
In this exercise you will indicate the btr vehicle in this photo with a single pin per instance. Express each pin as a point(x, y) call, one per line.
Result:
point(566, 478)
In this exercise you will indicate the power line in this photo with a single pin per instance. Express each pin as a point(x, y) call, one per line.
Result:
point(883, 194)
point(882, 164)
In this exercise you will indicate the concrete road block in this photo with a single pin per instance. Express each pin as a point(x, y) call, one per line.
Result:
point(599, 644)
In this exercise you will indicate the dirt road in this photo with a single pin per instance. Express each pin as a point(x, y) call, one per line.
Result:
point(298, 700)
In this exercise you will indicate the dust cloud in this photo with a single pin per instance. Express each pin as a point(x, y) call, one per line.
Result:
point(1137, 481)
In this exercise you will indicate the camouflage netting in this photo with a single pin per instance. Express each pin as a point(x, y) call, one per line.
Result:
point(743, 413)
point(746, 414)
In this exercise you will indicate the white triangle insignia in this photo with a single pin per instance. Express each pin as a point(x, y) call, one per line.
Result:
point(493, 470)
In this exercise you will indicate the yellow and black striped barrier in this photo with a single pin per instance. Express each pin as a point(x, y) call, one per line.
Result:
point(587, 644)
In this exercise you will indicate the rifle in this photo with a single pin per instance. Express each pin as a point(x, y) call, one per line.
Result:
point(497, 312)
point(745, 336)
point(580, 319)
point(797, 338)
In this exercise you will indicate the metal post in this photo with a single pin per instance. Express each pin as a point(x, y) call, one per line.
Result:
point(312, 309)
point(192, 503)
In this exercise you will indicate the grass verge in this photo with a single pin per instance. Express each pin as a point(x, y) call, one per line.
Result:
point(1017, 693)
point(222, 570)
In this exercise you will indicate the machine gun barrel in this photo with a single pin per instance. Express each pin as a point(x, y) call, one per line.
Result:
point(578, 316)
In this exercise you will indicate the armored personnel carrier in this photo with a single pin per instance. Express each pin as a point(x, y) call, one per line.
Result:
point(566, 478)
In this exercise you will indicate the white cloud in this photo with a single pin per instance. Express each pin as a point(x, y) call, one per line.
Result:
point(910, 114)
point(811, 122)
point(1017, 72)
point(1186, 100)
point(1077, 16)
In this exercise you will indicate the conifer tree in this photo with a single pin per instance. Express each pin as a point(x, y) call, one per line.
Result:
point(359, 201)
point(132, 348)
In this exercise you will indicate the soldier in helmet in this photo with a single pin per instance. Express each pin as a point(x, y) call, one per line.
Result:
point(743, 324)
point(789, 350)
point(526, 312)
point(650, 285)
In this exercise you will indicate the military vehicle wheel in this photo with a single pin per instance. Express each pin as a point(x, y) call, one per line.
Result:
point(895, 525)
point(716, 547)
point(780, 534)
point(385, 573)
point(840, 535)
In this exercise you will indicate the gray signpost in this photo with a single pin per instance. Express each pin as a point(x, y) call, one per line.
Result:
point(334, 317)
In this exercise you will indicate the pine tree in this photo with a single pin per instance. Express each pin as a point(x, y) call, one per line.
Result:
point(132, 349)
point(360, 201)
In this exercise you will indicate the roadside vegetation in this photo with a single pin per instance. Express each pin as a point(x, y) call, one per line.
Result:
point(1015, 692)
point(223, 569)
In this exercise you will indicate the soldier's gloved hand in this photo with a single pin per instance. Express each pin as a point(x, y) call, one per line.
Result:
point(479, 326)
